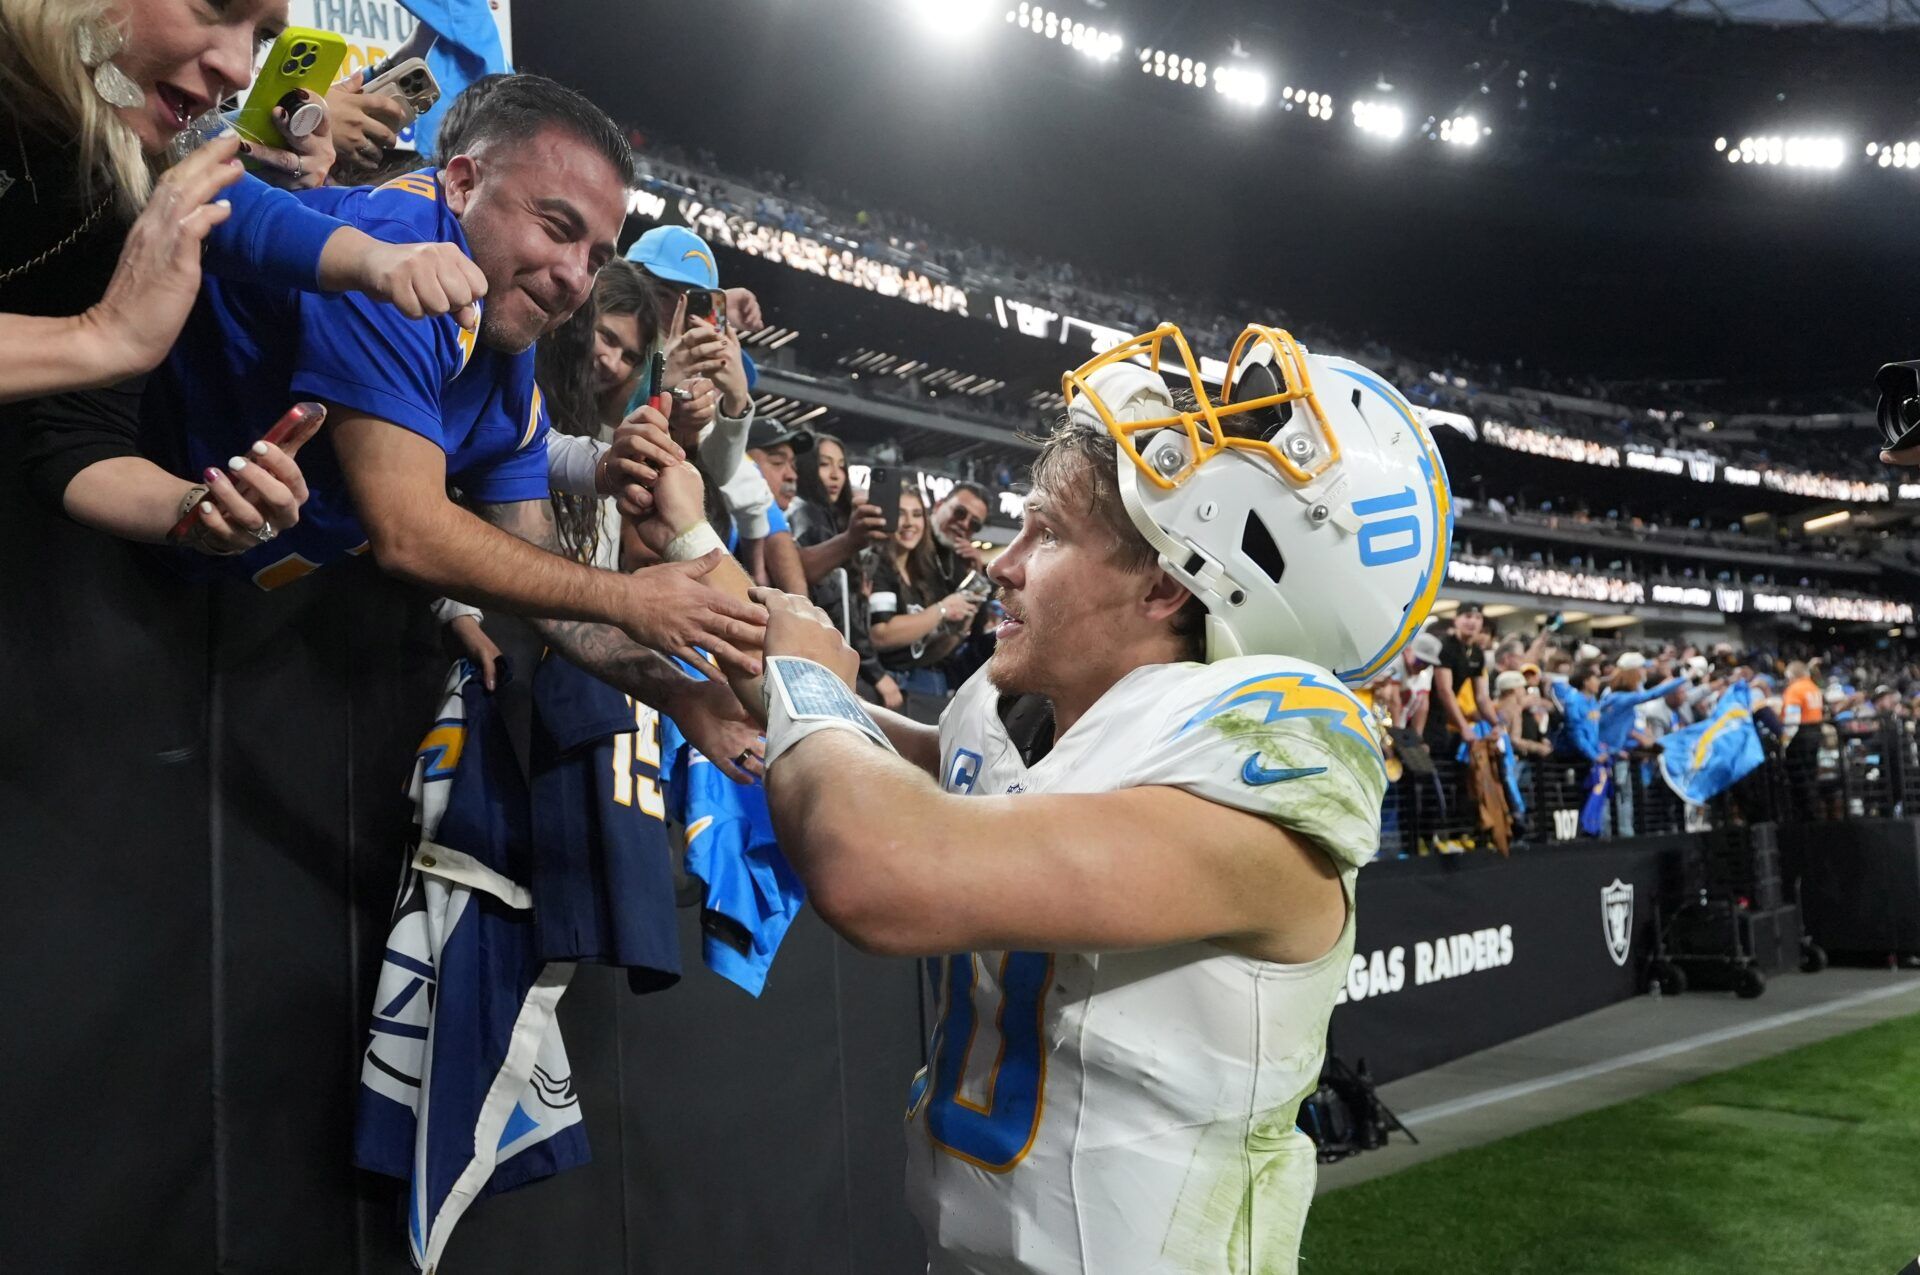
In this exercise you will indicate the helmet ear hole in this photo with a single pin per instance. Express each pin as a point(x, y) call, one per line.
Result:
point(1258, 544)
point(1257, 380)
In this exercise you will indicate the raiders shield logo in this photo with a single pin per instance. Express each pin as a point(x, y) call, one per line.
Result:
point(1616, 919)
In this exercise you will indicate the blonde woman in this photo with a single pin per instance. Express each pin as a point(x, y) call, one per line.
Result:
point(100, 262)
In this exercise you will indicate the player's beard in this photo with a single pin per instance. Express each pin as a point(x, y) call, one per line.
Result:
point(1016, 666)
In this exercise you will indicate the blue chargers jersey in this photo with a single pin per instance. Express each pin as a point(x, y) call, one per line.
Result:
point(465, 1086)
point(749, 894)
point(250, 350)
point(603, 869)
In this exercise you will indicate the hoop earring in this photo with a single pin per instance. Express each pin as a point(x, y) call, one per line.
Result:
point(99, 42)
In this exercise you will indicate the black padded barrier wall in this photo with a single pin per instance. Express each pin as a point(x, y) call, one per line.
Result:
point(201, 814)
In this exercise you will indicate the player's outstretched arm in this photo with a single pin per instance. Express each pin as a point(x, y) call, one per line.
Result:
point(398, 482)
point(916, 742)
point(899, 867)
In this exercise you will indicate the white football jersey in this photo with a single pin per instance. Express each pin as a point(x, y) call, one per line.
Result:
point(1105, 1113)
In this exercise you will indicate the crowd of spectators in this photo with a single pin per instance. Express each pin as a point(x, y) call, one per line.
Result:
point(1562, 717)
point(648, 391)
point(1661, 413)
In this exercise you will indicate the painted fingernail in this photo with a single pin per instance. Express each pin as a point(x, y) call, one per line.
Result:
point(213, 474)
point(260, 449)
point(206, 507)
point(236, 463)
point(224, 203)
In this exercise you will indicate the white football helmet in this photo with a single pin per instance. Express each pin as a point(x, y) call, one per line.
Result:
point(1306, 507)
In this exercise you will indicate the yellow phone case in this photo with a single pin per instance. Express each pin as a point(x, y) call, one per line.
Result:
point(302, 58)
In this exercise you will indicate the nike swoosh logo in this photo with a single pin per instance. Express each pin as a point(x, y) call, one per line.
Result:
point(1255, 775)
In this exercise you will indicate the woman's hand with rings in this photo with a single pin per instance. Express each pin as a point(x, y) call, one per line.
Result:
point(248, 503)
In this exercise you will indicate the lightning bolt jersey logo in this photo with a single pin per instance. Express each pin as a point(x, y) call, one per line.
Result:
point(1284, 695)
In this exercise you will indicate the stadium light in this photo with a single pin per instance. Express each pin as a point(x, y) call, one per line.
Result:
point(1241, 84)
point(1895, 154)
point(1824, 521)
point(953, 19)
point(1192, 72)
point(1382, 119)
point(1462, 130)
point(1786, 151)
point(1318, 106)
point(1083, 38)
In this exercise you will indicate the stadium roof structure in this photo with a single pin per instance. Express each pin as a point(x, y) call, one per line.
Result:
point(1873, 14)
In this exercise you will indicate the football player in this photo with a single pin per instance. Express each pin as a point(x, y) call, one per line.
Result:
point(1133, 839)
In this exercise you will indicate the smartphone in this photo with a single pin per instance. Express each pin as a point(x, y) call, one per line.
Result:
point(708, 305)
point(302, 58)
point(301, 422)
point(976, 586)
point(410, 81)
point(884, 491)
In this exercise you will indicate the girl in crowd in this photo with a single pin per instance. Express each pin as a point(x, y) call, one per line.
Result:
point(831, 528)
point(915, 628)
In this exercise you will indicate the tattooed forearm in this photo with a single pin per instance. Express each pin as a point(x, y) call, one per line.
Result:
point(600, 649)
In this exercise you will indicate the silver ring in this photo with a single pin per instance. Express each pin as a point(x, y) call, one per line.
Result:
point(265, 532)
point(741, 760)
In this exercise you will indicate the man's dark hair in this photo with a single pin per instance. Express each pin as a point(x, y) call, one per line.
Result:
point(514, 108)
point(1079, 455)
point(1582, 672)
point(967, 484)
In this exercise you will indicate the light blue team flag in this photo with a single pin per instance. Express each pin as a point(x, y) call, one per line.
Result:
point(1709, 757)
point(466, 48)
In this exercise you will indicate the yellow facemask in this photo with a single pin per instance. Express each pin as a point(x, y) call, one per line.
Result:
point(1205, 436)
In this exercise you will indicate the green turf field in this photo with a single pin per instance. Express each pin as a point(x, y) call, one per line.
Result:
point(1808, 1164)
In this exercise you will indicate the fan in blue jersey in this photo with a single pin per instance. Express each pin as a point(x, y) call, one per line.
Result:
point(249, 349)
point(465, 1088)
point(536, 196)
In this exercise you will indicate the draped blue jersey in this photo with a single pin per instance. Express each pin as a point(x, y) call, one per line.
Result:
point(250, 350)
point(603, 871)
point(465, 1086)
point(749, 894)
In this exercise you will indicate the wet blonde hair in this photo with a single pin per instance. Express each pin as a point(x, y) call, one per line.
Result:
point(44, 84)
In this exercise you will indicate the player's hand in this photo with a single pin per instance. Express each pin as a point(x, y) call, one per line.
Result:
point(154, 286)
point(726, 735)
point(743, 311)
point(673, 609)
point(797, 627)
point(252, 500)
point(365, 125)
point(472, 642)
point(889, 692)
point(421, 279)
point(642, 449)
point(1905, 456)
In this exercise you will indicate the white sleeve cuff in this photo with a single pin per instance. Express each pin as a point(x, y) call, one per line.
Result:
point(571, 462)
point(446, 610)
